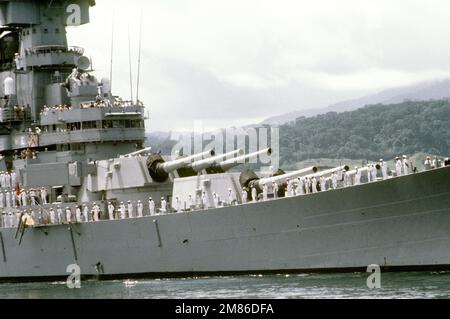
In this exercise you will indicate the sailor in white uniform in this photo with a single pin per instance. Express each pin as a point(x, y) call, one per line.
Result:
point(307, 185)
point(323, 184)
point(292, 188)
point(205, 202)
point(215, 200)
point(383, 166)
point(86, 213)
point(345, 179)
point(140, 209)
point(2, 200)
point(33, 197)
point(299, 189)
point(374, 173)
point(78, 214)
point(13, 180)
point(123, 213)
point(53, 219)
point(288, 188)
point(369, 173)
point(398, 166)
point(265, 192)
point(13, 198)
point(7, 180)
point(436, 162)
point(191, 203)
point(275, 189)
point(357, 176)
point(177, 204)
point(244, 196)
point(24, 196)
point(334, 180)
point(406, 168)
point(60, 214)
point(111, 211)
point(130, 209)
point(8, 199)
point(68, 215)
point(151, 206)
point(44, 196)
point(96, 212)
point(163, 205)
point(254, 194)
point(428, 163)
point(231, 196)
point(314, 184)
point(19, 199)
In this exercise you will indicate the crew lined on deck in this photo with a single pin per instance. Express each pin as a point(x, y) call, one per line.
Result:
point(14, 197)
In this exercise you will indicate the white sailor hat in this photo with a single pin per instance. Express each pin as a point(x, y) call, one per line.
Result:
point(356, 167)
point(404, 156)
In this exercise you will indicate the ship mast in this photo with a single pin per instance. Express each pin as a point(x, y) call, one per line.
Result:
point(112, 53)
point(129, 61)
point(139, 59)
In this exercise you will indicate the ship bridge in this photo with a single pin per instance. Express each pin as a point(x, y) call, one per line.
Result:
point(93, 124)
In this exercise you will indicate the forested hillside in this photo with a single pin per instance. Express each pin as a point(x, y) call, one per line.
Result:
point(369, 133)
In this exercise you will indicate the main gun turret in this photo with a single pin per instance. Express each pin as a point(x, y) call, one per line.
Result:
point(159, 169)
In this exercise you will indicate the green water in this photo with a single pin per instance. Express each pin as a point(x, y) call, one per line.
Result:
point(348, 285)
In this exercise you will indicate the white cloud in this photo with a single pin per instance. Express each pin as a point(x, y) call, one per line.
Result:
point(218, 60)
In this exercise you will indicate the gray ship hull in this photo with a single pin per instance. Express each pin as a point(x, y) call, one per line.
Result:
point(401, 222)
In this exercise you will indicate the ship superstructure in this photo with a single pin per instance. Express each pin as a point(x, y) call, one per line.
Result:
point(56, 118)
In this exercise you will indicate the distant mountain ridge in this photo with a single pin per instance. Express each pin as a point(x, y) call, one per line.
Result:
point(419, 92)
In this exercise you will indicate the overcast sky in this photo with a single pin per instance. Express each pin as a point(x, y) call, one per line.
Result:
point(236, 62)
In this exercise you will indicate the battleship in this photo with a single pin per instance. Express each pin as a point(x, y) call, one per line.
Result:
point(78, 185)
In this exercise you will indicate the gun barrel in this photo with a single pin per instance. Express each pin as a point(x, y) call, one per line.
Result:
point(284, 177)
point(184, 161)
point(360, 169)
point(209, 162)
point(327, 173)
point(145, 150)
point(232, 162)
